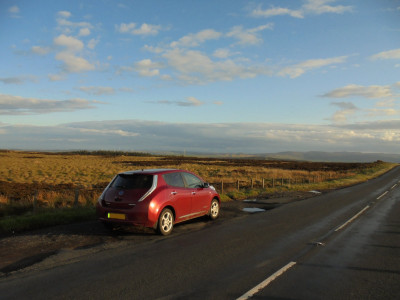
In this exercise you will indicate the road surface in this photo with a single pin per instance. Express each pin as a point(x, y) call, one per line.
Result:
point(340, 245)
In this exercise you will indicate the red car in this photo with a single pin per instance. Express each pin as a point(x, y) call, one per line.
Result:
point(157, 198)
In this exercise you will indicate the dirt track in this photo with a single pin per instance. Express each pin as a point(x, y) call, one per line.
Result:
point(63, 244)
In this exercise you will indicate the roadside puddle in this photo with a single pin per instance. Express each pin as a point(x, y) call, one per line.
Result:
point(253, 209)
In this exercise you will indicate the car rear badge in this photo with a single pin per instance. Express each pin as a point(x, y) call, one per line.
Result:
point(121, 193)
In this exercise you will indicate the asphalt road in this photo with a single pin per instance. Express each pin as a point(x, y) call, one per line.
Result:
point(340, 245)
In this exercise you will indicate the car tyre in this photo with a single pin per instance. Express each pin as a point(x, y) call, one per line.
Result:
point(166, 222)
point(214, 209)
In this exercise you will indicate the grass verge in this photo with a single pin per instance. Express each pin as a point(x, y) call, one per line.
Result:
point(361, 176)
point(45, 217)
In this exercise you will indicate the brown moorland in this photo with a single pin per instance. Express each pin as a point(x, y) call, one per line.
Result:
point(66, 179)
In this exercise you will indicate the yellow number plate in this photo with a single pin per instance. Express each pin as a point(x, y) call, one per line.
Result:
point(116, 216)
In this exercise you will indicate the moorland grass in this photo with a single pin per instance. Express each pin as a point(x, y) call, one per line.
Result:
point(46, 204)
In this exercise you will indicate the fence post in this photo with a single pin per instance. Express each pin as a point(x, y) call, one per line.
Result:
point(76, 201)
point(263, 183)
point(251, 182)
point(238, 185)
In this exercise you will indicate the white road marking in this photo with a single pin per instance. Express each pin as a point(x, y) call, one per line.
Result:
point(267, 281)
point(393, 186)
point(382, 195)
point(352, 219)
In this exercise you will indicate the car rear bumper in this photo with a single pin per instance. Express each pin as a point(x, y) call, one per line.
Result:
point(137, 216)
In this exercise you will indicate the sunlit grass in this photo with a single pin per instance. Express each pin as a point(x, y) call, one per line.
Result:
point(53, 179)
point(43, 189)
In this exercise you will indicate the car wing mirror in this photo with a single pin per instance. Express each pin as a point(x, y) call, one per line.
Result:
point(206, 185)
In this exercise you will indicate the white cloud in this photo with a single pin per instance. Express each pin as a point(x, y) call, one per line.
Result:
point(147, 68)
point(218, 137)
point(97, 90)
point(347, 109)
point(385, 103)
point(92, 43)
point(248, 36)
point(194, 101)
point(374, 112)
point(299, 69)
point(56, 77)
point(310, 7)
point(72, 44)
point(125, 28)
point(188, 102)
point(40, 50)
point(153, 49)
point(69, 25)
point(71, 62)
point(147, 29)
point(117, 132)
point(194, 40)
point(144, 29)
point(353, 90)
point(222, 53)
point(14, 9)
point(277, 11)
point(84, 32)
point(19, 79)
point(64, 14)
point(321, 7)
point(391, 54)
point(16, 105)
point(196, 67)
point(74, 64)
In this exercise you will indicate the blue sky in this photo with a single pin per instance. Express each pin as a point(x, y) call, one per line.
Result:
point(209, 76)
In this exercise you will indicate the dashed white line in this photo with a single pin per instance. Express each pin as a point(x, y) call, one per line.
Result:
point(352, 219)
point(278, 273)
point(382, 195)
point(267, 281)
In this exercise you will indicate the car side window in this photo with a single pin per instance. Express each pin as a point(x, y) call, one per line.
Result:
point(174, 179)
point(192, 181)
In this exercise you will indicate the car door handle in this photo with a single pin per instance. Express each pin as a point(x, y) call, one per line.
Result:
point(193, 193)
point(174, 193)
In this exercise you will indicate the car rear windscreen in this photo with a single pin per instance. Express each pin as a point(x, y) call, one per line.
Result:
point(133, 181)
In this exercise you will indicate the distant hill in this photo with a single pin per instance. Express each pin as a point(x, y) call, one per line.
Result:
point(335, 156)
point(314, 156)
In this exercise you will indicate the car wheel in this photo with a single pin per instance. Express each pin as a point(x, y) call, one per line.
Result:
point(166, 222)
point(214, 209)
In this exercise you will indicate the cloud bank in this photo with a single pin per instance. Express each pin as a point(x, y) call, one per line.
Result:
point(137, 135)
